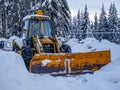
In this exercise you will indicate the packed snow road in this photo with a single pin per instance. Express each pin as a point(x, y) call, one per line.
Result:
point(14, 76)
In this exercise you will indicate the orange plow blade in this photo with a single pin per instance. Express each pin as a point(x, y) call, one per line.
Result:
point(69, 63)
point(88, 62)
point(48, 63)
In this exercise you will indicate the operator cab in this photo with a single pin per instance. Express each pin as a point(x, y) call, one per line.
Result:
point(37, 24)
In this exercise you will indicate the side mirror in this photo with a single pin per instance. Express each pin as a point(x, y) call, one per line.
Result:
point(24, 29)
point(25, 25)
point(24, 42)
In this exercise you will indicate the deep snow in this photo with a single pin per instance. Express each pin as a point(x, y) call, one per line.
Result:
point(14, 76)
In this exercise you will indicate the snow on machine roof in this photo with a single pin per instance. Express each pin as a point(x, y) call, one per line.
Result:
point(36, 16)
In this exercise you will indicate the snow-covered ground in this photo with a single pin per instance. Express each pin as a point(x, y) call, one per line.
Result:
point(14, 76)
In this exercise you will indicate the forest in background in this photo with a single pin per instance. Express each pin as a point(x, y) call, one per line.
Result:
point(13, 11)
point(107, 26)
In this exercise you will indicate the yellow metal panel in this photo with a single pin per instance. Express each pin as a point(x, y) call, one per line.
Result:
point(88, 61)
point(56, 63)
point(70, 63)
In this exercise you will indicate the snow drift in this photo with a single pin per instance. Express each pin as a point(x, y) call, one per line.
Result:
point(14, 76)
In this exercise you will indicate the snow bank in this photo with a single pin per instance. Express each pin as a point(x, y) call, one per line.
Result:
point(14, 76)
point(3, 39)
point(13, 73)
point(91, 44)
point(19, 41)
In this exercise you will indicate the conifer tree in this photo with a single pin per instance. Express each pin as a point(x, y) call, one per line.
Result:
point(113, 23)
point(103, 26)
point(59, 13)
point(95, 26)
point(78, 28)
point(85, 22)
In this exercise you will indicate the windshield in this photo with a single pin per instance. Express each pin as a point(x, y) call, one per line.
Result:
point(37, 27)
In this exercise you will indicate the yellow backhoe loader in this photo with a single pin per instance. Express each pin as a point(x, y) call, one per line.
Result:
point(43, 54)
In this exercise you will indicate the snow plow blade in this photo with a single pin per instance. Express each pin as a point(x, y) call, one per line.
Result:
point(62, 64)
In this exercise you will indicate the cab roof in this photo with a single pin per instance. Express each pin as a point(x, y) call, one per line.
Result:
point(36, 16)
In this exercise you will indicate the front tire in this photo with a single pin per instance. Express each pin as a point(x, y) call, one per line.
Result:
point(27, 54)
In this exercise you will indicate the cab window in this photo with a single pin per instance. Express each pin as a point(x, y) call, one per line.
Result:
point(38, 27)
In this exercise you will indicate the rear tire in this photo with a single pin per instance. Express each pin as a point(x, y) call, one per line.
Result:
point(27, 54)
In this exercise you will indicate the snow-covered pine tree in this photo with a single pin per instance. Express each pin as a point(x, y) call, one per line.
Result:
point(113, 23)
point(118, 32)
point(15, 10)
point(15, 17)
point(103, 26)
point(95, 26)
point(85, 23)
point(3, 9)
point(59, 12)
point(66, 15)
point(78, 28)
point(89, 30)
point(74, 27)
point(78, 25)
point(81, 26)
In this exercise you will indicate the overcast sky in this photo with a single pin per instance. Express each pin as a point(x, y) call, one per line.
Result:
point(94, 6)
